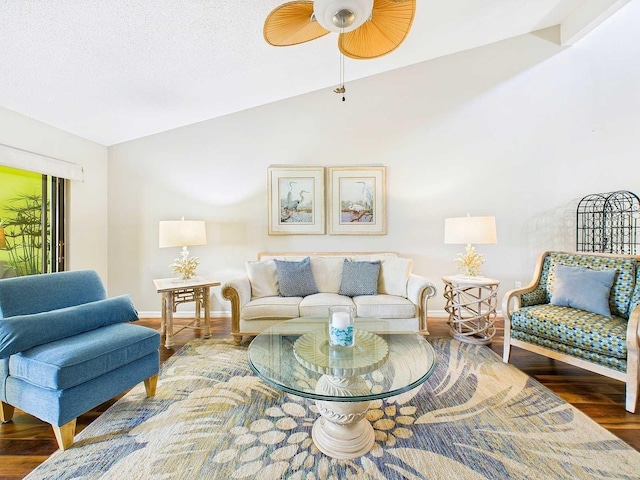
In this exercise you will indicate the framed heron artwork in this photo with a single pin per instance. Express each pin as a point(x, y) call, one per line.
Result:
point(357, 200)
point(296, 200)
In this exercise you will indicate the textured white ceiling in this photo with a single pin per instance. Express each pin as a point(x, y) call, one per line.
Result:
point(115, 70)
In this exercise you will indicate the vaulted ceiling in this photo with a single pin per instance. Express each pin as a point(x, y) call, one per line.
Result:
point(116, 70)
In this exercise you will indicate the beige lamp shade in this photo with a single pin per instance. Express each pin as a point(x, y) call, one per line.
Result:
point(182, 233)
point(470, 230)
point(3, 239)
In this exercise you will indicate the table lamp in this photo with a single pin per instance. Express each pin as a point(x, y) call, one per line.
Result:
point(470, 230)
point(183, 233)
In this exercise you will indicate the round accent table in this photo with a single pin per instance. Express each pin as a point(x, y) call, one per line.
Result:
point(296, 357)
point(471, 305)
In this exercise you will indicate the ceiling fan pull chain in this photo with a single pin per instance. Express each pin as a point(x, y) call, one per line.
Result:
point(341, 88)
point(342, 74)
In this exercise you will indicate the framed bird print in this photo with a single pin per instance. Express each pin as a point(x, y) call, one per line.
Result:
point(357, 200)
point(296, 200)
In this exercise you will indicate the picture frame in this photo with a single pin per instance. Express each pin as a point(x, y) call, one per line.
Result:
point(357, 200)
point(296, 200)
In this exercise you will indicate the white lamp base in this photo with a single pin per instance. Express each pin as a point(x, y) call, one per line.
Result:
point(470, 262)
point(185, 266)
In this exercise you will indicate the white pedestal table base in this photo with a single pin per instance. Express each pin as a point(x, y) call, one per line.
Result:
point(342, 431)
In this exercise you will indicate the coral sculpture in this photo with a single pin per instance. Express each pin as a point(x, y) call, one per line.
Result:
point(469, 262)
point(185, 266)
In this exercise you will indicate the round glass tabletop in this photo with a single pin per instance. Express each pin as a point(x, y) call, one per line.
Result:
point(294, 355)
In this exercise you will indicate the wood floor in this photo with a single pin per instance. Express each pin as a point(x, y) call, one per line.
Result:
point(25, 442)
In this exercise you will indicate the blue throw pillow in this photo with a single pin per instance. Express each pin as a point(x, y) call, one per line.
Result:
point(359, 278)
point(583, 288)
point(23, 332)
point(295, 278)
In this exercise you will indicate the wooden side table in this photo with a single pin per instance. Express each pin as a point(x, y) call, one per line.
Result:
point(176, 291)
point(471, 305)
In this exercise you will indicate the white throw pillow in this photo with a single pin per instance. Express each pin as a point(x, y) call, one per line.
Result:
point(394, 275)
point(263, 279)
point(327, 271)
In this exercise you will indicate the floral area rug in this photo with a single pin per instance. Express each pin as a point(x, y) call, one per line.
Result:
point(475, 417)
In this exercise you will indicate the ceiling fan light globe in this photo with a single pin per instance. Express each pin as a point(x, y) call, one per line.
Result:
point(332, 14)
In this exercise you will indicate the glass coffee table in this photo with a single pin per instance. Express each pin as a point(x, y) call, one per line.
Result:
point(295, 357)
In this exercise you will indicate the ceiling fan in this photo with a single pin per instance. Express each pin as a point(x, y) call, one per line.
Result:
point(367, 28)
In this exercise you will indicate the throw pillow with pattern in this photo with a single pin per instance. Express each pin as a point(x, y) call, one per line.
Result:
point(295, 279)
point(359, 278)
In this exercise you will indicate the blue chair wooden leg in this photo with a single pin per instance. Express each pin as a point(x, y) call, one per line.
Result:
point(65, 434)
point(6, 412)
point(150, 385)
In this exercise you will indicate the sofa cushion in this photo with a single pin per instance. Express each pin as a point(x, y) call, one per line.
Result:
point(295, 279)
point(319, 303)
point(597, 358)
point(23, 332)
point(359, 278)
point(601, 335)
point(384, 306)
point(271, 307)
point(327, 273)
point(394, 275)
point(75, 360)
point(263, 278)
point(583, 288)
point(49, 291)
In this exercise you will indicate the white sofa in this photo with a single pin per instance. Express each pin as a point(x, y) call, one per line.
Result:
point(256, 304)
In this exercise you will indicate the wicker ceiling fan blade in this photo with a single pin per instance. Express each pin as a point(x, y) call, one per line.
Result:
point(290, 24)
point(389, 25)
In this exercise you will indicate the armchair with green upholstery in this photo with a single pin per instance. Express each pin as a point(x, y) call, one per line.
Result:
point(589, 325)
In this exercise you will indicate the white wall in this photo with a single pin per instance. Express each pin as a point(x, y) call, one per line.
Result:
point(521, 129)
point(87, 208)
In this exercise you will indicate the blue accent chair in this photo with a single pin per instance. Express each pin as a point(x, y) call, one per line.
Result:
point(65, 348)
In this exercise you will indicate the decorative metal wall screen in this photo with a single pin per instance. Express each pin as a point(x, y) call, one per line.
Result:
point(608, 223)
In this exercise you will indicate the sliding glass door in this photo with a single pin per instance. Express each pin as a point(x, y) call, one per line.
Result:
point(31, 223)
point(55, 193)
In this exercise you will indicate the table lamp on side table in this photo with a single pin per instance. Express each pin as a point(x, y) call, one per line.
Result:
point(470, 230)
point(471, 300)
point(183, 233)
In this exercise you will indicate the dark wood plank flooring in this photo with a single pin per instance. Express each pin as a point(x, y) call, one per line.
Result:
point(25, 442)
